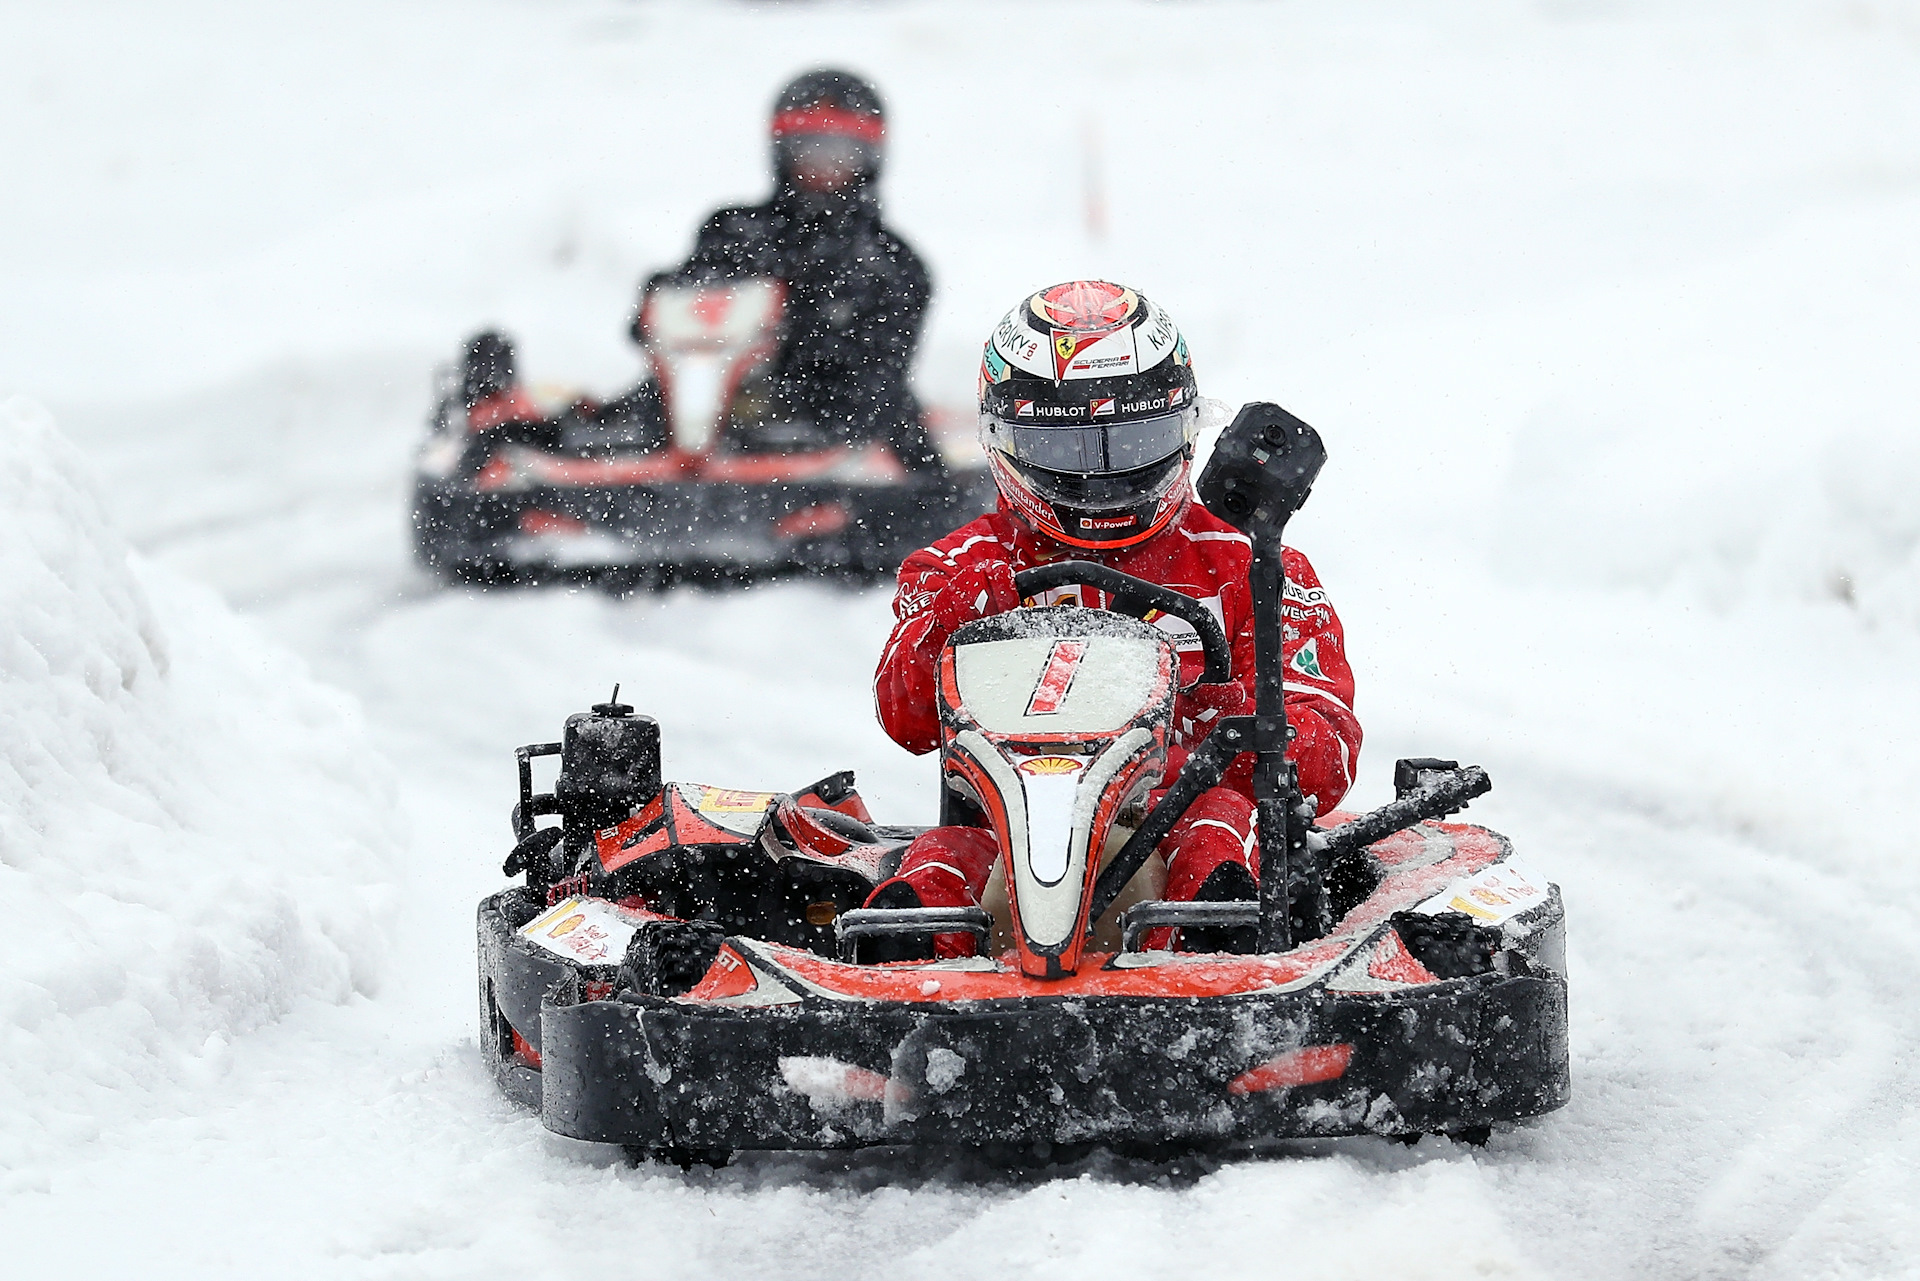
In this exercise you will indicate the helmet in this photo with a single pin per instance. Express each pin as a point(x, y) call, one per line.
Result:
point(487, 368)
point(828, 127)
point(1088, 411)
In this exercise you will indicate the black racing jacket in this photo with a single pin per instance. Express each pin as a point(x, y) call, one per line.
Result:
point(857, 298)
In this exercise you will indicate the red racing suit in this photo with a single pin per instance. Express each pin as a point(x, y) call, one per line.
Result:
point(969, 574)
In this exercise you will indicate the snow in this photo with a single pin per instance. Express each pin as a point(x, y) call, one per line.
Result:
point(196, 835)
point(1606, 311)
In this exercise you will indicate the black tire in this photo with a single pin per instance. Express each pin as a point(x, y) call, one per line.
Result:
point(666, 958)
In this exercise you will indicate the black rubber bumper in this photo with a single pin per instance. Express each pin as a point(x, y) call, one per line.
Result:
point(702, 526)
point(659, 1073)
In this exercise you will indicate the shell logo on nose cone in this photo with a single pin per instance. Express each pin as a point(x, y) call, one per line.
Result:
point(1045, 765)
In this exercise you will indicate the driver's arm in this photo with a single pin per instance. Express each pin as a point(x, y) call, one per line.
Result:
point(1319, 688)
point(962, 577)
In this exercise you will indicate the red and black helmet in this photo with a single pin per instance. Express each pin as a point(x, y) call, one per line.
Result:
point(1088, 411)
point(828, 123)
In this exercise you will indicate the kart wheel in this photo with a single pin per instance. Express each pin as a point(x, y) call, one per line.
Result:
point(666, 958)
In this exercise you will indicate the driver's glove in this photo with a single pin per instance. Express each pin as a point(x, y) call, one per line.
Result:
point(978, 591)
point(1201, 708)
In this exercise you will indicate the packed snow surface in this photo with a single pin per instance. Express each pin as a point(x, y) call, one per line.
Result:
point(1607, 312)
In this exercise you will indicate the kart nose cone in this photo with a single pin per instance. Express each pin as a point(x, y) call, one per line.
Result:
point(1051, 784)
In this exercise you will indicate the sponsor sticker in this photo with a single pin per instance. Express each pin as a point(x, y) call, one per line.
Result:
point(1023, 409)
point(1016, 342)
point(723, 800)
point(993, 365)
point(1491, 895)
point(588, 930)
point(1177, 396)
point(1156, 335)
point(1306, 595)
point(1306, 660)
point(1102, 408)
point(1043, 766)
point(1068, 344)
point(1051, 690)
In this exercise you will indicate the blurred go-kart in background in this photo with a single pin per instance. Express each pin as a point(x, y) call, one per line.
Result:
point(697, 474)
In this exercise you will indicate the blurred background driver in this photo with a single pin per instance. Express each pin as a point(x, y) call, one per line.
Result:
point(856, 292)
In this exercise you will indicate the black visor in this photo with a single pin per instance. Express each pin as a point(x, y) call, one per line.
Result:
point(827, 151)
point(1115, 491)
point(1091, 450)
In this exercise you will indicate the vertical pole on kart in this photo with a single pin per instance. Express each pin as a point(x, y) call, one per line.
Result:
point(1292, 905)
point(1275, 780)
point(1262, 468)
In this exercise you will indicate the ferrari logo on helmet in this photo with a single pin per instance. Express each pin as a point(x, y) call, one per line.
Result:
point(1102, 408)
point(1068, 344)
point(1023, 409)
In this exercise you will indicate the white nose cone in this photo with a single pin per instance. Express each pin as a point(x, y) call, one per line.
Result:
point(1051, 783)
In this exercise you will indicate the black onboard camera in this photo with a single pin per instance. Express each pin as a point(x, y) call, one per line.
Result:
point(1262, 469)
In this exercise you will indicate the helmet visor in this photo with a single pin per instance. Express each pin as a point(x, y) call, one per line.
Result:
point(825, 159)
point(1091, 450)
point(1116, 491)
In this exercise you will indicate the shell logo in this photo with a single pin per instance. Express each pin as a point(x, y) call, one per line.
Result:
point(1043, 765)
point(567, 926)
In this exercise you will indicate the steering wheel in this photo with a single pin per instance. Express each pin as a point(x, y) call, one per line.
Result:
point(1136, 597)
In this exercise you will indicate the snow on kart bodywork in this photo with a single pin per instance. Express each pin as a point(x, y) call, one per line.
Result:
point(1053, 720)
point(779, 1047)
point(1107, 680)
point(1355, 948)
point(700, 814)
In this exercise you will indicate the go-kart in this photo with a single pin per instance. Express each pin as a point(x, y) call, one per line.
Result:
point(688, 970)
point(698, 474)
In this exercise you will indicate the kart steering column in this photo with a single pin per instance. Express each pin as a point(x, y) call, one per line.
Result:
point(1261, 471)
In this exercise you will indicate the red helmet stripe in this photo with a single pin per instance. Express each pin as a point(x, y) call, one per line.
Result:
point(830, 120)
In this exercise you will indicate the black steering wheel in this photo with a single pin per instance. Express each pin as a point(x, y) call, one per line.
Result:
point(1136, 597)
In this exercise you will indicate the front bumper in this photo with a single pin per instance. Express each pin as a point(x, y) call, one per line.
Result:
point(825, 1073)
point(814, 526)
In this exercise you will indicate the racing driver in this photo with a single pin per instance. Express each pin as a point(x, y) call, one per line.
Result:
point(1088, 413)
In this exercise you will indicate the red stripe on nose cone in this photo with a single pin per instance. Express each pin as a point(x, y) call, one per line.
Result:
point(830, 120)
point(1058, 678)
point(1304, 1066)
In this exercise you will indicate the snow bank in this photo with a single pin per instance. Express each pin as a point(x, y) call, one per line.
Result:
point(192, 834)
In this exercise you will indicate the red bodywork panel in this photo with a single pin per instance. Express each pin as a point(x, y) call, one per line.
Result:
point(1424, 868)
